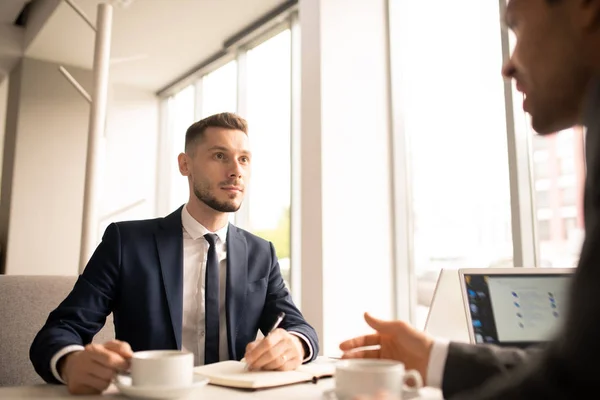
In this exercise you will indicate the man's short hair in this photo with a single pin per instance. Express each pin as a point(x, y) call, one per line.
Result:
point(223, 120)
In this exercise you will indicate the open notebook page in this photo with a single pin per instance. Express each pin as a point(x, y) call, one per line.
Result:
point(234, 374)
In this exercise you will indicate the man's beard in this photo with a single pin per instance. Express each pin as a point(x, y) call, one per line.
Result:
point(203, 194)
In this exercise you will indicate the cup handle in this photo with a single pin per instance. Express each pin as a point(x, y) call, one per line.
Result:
point(416, 376)
point(122, 374)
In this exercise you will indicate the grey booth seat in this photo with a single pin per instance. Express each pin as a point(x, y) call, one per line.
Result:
point(25, 302)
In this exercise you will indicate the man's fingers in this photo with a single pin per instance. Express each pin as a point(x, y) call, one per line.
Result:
point(362, 354)
point(251, 346)
point(91, 371)
point(277, 351)
point(288, 360)
point(106, 357)
point(268, 354)
point(382, 326)
point(361, 341)
point(275, 337)
point(119, 347)
point(263, 346)
point(290, 364)
point(250, 354)
point(101, 371)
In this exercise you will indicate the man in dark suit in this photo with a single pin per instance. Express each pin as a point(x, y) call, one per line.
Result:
point(556, 64)
point(188, 281)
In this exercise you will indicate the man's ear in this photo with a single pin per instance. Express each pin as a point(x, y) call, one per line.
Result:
point(183, 160)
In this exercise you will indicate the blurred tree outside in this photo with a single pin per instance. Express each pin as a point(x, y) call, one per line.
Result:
point(280, 236)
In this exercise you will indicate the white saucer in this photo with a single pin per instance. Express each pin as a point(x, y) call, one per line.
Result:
point(124, 385)
point(330, 395)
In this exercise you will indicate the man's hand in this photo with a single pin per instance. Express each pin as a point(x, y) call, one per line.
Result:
point(90, 371)
point(278, 351)
point(397, 340)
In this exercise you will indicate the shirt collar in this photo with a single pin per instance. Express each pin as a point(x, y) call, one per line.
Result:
point(196, 230)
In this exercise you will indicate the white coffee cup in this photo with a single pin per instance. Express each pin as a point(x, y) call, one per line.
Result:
point(162, 368)
point(369, 376)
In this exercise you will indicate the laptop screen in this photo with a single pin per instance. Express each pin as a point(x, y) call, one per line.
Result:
point(515, 309)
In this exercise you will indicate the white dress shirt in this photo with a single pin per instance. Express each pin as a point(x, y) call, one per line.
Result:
point(195, 252)
point(437, 362)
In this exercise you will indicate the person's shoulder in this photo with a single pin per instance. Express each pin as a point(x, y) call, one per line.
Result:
point(251, 238)
point(145, 227)
point(138, 224)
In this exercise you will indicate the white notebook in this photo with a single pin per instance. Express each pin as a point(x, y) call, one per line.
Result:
point(233, 374)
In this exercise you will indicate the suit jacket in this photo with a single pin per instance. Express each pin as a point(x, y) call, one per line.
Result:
point(567, 367)
point(468, 366)
point(137, 274)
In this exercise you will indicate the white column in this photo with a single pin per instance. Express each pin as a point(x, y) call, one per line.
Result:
point(89, 227)
point(346, 170)
point(242, 216)
point(520, 167)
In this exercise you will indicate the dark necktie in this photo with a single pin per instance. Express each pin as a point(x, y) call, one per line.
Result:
point(211, 313)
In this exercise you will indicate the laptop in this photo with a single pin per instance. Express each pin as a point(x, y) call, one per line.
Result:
point(514, 306)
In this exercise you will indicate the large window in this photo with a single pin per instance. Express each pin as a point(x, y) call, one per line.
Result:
point(181, 110)
point(219, 90)
point(559, 207)
point(268, 107)
point(454, 119)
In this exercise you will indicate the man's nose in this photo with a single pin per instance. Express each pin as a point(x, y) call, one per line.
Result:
point(508, 70)
point(236, 171)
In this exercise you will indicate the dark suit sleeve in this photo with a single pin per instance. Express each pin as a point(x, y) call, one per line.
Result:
point(279, 299)
point(567, 368)
point(468, 366)
point(83, 313)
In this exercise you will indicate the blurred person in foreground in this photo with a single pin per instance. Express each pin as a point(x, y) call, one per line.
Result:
point(556, 65)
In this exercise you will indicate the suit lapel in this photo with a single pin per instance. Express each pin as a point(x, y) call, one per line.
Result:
point(237, 279)
point(169, 243)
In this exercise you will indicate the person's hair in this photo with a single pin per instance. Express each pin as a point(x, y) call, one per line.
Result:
point(223, 120)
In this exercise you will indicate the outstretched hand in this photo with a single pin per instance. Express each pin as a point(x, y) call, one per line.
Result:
point(395, 340)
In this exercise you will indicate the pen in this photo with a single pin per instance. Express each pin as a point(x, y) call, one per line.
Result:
point(277, 322)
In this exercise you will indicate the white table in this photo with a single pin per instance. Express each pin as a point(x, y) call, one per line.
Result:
point(305, 391)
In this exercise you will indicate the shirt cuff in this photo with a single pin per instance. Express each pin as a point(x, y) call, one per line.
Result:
point(437, 362)
point(60, 354)
point(308, 346)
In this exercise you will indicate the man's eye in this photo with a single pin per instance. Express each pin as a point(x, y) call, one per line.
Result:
point(219, 156)
point(245, 159)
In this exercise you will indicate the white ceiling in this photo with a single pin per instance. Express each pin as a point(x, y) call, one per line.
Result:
point(164, 38)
